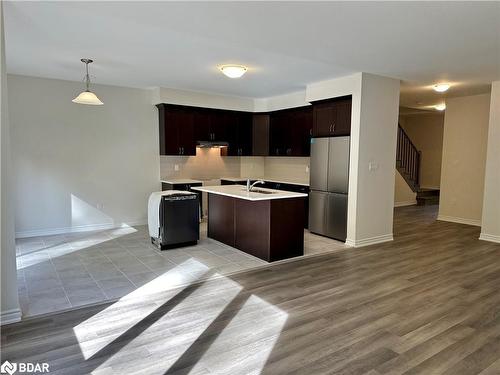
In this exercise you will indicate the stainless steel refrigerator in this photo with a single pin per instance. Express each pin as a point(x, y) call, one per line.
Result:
point(329, 183)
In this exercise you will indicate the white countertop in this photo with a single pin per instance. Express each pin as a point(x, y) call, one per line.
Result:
point(236, 179)
point(238, 191)
point(181, 181)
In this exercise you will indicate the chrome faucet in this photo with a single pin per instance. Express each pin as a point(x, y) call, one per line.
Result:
point(250, 187)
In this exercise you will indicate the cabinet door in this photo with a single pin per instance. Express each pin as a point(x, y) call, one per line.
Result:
point(324, 116)
point(245, 134)
point(221, 125)
point(277, 134)
point(171, 132)
point(260, 134)
point(185, 129)
point(201, 123)
point(342, 124)
point(301, 130)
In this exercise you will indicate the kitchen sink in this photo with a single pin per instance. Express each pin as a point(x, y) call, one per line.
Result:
point(260, 191)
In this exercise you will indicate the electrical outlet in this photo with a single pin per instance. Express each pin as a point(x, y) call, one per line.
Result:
point(176, 167)
point(307, 169)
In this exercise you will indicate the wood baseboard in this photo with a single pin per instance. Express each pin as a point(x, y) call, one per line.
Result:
point(10, 316)
point(489, 237)
point(459, 220)
point(369, 241)
point(76, 229)
point(405, 203)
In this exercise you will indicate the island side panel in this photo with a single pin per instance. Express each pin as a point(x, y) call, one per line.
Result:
point(221, 218)
point(252, 226)
point(286, 228)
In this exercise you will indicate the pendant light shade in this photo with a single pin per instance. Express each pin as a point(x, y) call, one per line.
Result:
point(87, 96)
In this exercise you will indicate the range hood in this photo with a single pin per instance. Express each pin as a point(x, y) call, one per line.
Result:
point(211, 144)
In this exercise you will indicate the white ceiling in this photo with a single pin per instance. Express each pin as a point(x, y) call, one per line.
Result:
point(286, 45)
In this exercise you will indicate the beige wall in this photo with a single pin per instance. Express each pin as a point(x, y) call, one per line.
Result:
point(426, 133)
point(403, 195)
point(490, 229)
point(91, 167)
point(464, 155)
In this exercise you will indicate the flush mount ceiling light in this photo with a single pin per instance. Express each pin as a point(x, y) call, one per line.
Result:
point(441, 87)
point(87, 96)
point(440, 107)
point(233, 71)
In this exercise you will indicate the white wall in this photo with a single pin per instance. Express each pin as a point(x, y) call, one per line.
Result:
point(10, 311)
point(80, 167)
point(490, 229)
point(373, 153)
point(464, 156)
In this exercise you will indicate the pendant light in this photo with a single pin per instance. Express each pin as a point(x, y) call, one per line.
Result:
point(87, 96)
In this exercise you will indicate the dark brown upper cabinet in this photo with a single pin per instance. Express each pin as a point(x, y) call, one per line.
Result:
point(332, 117)
point(290, 132)
point(181, 127)
point(176, 130)
point(241, 135)
point(260, 130)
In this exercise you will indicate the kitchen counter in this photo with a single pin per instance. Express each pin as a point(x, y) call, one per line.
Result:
point(238, 191)
point(240, 179)
point(174, 181)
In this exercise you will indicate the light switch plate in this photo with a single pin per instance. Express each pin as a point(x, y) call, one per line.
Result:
point(176, 167)
point(372, 166)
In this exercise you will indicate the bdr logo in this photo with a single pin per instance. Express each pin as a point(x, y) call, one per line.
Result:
point(23, 367)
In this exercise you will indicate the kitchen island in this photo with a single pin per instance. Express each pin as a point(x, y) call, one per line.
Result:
point(265, 223)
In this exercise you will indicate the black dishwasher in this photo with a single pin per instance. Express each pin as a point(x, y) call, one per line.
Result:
point(179, 220)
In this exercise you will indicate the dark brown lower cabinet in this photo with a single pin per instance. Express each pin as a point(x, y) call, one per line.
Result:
point(221, 218)
point(268, 229)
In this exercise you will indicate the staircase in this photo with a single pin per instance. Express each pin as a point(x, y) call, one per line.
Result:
point(408, 165)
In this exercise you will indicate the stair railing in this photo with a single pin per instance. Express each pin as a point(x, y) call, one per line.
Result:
point(408, 157)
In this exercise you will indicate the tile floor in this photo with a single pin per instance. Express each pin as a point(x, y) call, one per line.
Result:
point(66, 271)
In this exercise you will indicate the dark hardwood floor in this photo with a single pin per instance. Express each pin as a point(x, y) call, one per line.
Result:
point(426, 303)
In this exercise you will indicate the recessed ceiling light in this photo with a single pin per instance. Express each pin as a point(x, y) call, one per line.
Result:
point(233, 71)
point(441, 87)
point(440, 107)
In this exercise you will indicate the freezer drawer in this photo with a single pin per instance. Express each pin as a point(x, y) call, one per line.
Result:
point(338, 165)
point(336, 216)
point(319, 164)
point(318, 203)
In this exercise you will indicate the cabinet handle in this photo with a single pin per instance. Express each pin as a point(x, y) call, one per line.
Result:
point(180, 151)
point(333, 128)
point(310, 132)
point(330, 128)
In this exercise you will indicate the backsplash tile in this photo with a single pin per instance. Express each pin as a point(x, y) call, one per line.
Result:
point(206, 165)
